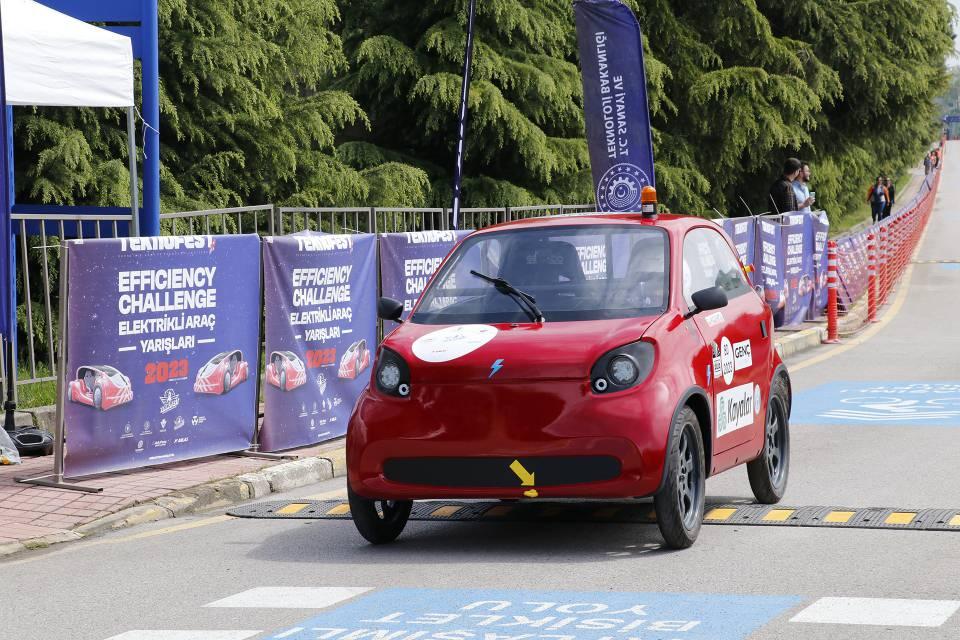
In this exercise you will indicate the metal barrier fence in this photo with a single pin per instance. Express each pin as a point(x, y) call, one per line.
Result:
point(259, 219)
point(37, 244)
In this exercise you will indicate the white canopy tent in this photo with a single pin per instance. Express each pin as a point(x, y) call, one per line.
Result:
point(51, 59)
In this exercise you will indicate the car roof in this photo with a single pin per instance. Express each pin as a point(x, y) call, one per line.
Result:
point(671, 222)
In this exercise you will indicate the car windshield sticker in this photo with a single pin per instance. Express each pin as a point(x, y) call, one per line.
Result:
point(726, 360)
point(453, 342)
point(735, 408)
point(742, 355)
point(714, 319)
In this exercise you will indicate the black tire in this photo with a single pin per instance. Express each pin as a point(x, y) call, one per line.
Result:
point(226, 382)
point(379, 521)
point(769, 473)
point(680, 502)
point(98, 397)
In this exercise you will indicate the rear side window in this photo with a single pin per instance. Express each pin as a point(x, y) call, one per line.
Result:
point(709, 262)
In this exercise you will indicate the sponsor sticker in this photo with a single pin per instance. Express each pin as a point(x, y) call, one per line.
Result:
point(735, 408)
point(727, 366)
point(714, 319)
point(453, 342)
point(742, 355)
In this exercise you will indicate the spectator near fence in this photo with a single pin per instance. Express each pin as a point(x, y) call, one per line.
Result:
point(892, 193)
point(801, 189)
point(878, 197)
point(927, 163)
point(781, 191)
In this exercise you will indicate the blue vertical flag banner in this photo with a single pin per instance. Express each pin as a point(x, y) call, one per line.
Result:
point(770, 272)
point(163, 346)
point(320, 293)
point(796, 237)
point(409, 260)
point(743, 232)
point(615, 103)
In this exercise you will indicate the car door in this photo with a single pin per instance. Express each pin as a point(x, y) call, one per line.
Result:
point(740, 344)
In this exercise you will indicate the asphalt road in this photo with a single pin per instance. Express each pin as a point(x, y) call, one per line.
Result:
point(877, 424)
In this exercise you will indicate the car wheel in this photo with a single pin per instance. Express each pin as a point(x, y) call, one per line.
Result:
point(98, 397)
point(283, 380)
point(379, 521)
point(226, 382)
point(769, 473)
point(679, 503)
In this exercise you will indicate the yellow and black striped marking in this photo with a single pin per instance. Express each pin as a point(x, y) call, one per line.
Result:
point(635, 512)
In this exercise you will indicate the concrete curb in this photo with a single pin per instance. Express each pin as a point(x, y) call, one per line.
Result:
point(799, 341)
point(275, 479)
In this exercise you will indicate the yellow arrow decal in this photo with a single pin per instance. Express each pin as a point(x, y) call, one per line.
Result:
point(526, 478)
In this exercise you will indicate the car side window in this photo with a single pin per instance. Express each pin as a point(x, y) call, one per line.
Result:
point(709, 262)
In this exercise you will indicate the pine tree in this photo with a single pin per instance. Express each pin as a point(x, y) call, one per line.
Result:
point(525, 142)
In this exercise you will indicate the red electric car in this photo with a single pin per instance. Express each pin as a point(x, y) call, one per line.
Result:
point(223, 372)
point(101, 387)
point(354, 361)
point(286, 371)
point(518, 376)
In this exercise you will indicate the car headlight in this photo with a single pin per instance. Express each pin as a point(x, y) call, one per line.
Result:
point(393, 374)
point(623, 367)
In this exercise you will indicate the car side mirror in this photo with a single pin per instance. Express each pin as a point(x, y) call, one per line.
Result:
point(707, 300)
point(389, 309)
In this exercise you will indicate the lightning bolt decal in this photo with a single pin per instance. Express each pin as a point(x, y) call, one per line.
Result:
point(495, 367)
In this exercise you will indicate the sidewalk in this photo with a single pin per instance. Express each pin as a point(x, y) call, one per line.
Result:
point(35, 517)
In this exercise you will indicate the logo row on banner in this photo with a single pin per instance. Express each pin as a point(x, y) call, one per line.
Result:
point(788, 254)
point(163, 345)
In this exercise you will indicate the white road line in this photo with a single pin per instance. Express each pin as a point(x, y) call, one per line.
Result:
point(879, 611)
point(290, 597)
point(180, 634)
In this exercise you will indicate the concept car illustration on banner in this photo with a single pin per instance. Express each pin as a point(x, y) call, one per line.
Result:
point(409, 260)
point(162, 337)
point(321, 334)
point(615, 103)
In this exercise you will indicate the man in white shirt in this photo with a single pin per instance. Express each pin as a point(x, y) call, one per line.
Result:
point(802, 191)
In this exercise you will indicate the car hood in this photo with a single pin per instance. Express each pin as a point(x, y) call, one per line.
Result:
point(505, 352)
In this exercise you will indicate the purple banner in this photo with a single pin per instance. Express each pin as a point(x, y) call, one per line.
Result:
point(796, 237)
point(320, 293)
point(770, 272)
point(409, 260)
point(743, 232)
point(163, 339)
point(852, 268)
point(821, 229)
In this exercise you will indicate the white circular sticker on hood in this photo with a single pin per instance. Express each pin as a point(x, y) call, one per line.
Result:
point(453, 342)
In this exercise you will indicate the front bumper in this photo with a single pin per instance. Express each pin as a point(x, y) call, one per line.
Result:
point(460, 441)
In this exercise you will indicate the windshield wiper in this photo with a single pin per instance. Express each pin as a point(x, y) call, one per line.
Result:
point(526, 301)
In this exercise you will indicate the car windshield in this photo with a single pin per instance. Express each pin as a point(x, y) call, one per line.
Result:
point(574, 273)
point(217, 358)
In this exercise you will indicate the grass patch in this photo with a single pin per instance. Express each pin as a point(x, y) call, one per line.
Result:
point(36, 394)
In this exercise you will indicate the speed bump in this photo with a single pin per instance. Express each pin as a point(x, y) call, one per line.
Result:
point(624, 512)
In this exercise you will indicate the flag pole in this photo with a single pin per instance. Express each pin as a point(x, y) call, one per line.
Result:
point(6, 255)
point(462, 127)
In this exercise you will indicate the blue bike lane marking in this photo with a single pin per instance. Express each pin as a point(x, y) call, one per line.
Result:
point(879, 403)
point(454, 614)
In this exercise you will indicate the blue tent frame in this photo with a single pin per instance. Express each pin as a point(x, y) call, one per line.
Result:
point(138, 20)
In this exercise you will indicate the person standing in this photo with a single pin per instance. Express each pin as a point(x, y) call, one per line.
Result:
point(801, 189)
point(781, 192)
point(891, 197)
point(877, 198)
point(926, 164)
